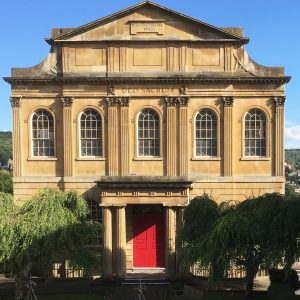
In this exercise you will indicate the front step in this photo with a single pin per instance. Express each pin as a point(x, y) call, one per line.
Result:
point(145, 281)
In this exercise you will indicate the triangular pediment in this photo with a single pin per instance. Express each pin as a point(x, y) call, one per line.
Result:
point(146, 21)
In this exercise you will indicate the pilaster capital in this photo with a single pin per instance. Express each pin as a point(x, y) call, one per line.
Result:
point(15, 101)
point(170, 101)
point(279, 101)
point(228, 101)
point(115, 101)
point(67, 101)
point(178, 100)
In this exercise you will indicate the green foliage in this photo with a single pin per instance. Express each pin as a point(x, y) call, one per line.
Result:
point(5, 146)
point(292, 157)
point(290, 190)
point(52, 226)
point(6, 183)
point(6, 204)
point(262, 231)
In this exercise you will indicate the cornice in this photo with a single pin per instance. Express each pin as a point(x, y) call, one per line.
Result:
point(173, 79)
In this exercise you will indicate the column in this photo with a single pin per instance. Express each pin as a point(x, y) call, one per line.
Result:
point(171, 135)
point(67, 135)
point(170, 242)
point(179, 222)
point(124, 139)
point(183, 133)
point(16, 135)
point(107, 243)
point(112, 138)
point(227, 151)
point(121, 242)
point(279, 135)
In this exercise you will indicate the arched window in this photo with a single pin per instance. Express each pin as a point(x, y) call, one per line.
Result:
point(91, 133)
point(42, 133)
point(206, 133)
point(148, 133)
point(255, 133)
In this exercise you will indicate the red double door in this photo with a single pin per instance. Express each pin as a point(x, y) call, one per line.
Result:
point(148, 240)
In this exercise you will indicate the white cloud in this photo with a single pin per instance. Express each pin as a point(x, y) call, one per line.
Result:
point(292, 136)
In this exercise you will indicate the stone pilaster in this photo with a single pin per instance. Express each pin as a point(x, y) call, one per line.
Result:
point(124, 139)
point(16, 135)
point(121, 242)
point(179, 222)
point(67, 135)
point(279, 135)
point(113, 136)
point(227, 126)
point(107, 243)
point(183, 134)
point(170, 242)
point(171, 136)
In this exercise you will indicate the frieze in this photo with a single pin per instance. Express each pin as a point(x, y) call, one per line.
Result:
point(279, 100)
point(15, 101)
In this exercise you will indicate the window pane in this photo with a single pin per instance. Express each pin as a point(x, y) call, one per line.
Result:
point(255, 133)
point(148, 133)
point(42, 133)
point(90, 133)
point(206, 133)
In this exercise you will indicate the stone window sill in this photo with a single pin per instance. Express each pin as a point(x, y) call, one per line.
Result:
point(255, 158)
point(204, 158)
point(148, 158)
point(41, 158)
point(90, 159)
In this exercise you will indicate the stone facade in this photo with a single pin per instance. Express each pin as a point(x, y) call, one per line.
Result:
point(202, 90)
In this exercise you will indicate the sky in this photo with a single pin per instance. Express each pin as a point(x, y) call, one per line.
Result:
point(272, 26)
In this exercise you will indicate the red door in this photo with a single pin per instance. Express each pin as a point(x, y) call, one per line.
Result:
point(148, 240)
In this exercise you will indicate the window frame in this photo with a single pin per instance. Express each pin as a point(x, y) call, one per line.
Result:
point(217, 115)
point(137, 155)
point(267, 135)
point(91, 157)
point(31, 144)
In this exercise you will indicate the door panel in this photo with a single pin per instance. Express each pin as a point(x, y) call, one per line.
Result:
point(148, 240)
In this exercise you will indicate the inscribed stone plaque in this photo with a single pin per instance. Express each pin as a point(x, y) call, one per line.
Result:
point(137, 27)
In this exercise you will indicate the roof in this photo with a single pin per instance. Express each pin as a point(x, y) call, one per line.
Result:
point(65, 34)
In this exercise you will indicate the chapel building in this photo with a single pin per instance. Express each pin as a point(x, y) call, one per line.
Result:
point(140, 112)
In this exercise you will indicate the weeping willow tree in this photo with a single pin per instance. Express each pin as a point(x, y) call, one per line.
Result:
point(257, 232)
point(52, 226)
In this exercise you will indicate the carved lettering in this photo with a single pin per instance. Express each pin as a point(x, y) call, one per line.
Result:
point(137, 27)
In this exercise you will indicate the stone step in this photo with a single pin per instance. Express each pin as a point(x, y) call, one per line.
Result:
point(145, 281)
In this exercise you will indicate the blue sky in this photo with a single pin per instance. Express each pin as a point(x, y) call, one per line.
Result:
point(272, 26)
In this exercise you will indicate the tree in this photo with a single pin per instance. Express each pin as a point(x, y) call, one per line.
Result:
point(6, 184)
point(52, 226)
point(5, 146)
point(262, 231)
